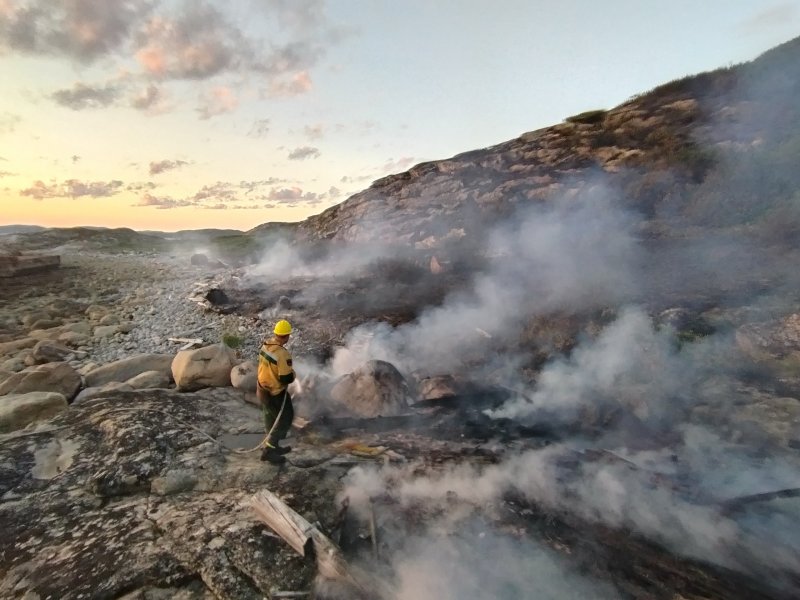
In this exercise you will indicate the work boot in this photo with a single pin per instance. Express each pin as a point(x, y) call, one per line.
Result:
point(272, 455)
point(282, 449)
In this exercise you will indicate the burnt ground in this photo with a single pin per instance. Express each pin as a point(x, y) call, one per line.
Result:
point(453, 432)
point(439, 435)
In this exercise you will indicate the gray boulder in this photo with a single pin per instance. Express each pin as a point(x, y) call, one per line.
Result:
point(47, 351)
point(53, 377)
point(125, 369)
point(375, 389)
point(19, 410)
point(102, 390)
point(10, 348)
point(150, 379)
point(204, 367)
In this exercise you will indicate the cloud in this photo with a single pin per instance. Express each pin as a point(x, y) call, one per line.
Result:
point(304, 17)
point(151, 100)
point(770, 18)
point(9, 122)
point(198, 44)
point(75, 158)
point(359, 179)
point(158, 167)
point(83, 96)
point(401, 164)
point(6, 174)
point(83, 30)
point(259, 128)
point(303, 153)
point(218, 101)
point(314, 132)
point(72, 188)
point(218, 206)
point(295, 85)
point(140, 186)
point(293, 196)
point(163, 202)
point(218, 193)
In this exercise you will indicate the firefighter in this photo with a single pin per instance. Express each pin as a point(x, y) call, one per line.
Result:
point(275, 373)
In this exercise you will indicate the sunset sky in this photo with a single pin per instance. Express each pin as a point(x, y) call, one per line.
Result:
point(162, 114)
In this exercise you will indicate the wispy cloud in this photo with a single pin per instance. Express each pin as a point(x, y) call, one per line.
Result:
point(304, 152)
point(152, 100)
point(161, 202)
point(314, 132)
point(292, 85)
point(9, 122)
point(72, 188)
point(218, 101)
point(82, 96)
point(158, 167)
point(217, 192)
point(259, 128)
point(770, 18)
point(401, 164)
point(293, 196)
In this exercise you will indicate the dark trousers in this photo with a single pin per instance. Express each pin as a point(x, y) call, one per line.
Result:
point(271, 407)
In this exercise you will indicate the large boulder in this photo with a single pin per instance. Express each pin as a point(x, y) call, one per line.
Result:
point(19, 410)
point(127, 368)
point(52, 377)
point(375, 389)
point(10, 348)
point(204, 367)
point(47, 351)
point(244, 376)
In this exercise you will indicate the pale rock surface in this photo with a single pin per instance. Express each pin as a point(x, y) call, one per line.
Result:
point(244, 376)
point(209, 366)
point(150, 379)
point(102, 390)
point(19, 410)
point(52, 377)
point(125, 369)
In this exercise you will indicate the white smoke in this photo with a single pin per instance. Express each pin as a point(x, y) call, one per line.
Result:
point(630, 364)
point(570, 255)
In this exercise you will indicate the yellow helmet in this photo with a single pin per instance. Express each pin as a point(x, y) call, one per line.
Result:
point(282, 327)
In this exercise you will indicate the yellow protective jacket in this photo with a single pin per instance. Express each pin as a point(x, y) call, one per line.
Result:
point(275, 370)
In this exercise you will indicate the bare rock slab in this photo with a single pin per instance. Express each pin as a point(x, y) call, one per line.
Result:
point(19, 410)
point(127, 368)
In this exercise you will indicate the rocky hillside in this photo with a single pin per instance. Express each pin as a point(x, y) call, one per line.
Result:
point(713, 150)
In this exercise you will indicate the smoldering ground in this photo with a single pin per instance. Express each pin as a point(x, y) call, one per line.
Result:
point(641, 391)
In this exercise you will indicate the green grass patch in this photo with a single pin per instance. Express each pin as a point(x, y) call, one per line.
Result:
point(232, 340)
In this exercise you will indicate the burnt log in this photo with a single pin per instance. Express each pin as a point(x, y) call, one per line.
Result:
point(308, 541)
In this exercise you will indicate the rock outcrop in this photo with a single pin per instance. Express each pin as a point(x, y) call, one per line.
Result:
point(129, 495)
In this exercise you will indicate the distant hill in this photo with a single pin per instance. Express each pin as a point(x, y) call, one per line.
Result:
point(716, 150)
point(14, 229)
point(97, 238)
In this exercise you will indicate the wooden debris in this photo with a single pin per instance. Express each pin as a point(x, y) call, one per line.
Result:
point(308, 541)
point(187, 342)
